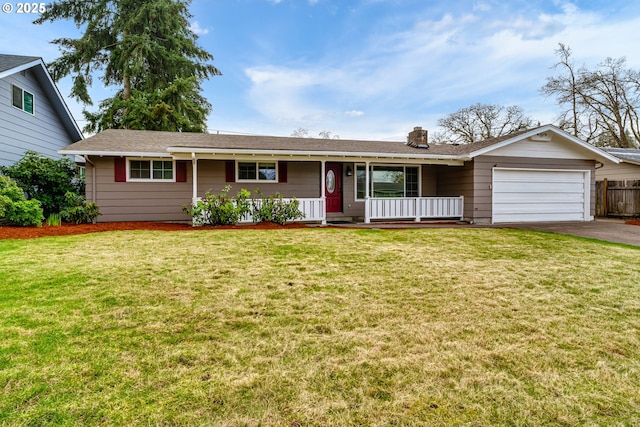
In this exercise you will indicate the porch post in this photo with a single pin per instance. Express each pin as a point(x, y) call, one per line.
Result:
point(323, 191)
point(367, 203)
point(194, 167)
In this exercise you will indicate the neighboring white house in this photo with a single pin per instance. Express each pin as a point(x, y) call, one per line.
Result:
point(33, 114)
point(627, 169)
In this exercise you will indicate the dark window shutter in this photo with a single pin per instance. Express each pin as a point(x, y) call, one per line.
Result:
point(120, 169)
point(230, 171)
point(282, 171)
point(181, 171)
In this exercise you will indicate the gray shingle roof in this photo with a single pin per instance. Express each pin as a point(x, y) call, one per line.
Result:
point(8, 62)
point(630, 154)
point(136, 141)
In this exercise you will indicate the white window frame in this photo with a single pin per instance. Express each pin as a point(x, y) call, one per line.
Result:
point(257, 164)
point(21, 108)
point(371, 166)
point(151, 178)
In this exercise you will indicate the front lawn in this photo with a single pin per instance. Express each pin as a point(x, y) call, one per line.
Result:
point(319, 327)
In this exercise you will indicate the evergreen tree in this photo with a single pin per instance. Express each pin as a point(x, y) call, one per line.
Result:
point(147, 50)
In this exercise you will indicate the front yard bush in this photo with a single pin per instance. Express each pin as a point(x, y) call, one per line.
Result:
point(275, 209)
point(223, 209)
point(219, 209)
point(78, 210)
point(14, 208)
point(46, 180)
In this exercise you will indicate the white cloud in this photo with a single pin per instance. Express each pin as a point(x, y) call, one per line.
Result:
point(197, 29)
point(436, 66)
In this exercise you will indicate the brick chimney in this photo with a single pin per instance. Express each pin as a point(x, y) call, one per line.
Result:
point(417, 138)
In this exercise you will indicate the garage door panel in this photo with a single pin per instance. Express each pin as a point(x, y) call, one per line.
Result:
point(529, 217)
point(540, 209)
point(539, 187)
point(539, 174)
point(536, 198)
point(524, 195)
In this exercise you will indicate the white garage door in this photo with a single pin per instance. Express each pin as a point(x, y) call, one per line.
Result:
point(528, 195)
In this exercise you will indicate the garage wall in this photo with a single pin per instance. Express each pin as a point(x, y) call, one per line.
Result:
point(482, 178)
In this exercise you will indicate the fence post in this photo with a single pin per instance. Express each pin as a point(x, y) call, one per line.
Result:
point(605, 212)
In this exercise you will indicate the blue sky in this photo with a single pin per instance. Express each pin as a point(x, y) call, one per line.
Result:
point(373, 69)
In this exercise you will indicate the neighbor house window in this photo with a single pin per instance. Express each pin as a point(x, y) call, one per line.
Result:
point(151, 170)
point(387, 181)
point(257, 171)
point(22, 100)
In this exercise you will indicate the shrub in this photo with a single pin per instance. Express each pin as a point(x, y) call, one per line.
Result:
point(54, 220)
point(78, 210)
point(275, 209)
point(219, 209)
point(45, 179)
point(14, 208)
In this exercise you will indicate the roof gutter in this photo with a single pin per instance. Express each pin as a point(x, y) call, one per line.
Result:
point(342, 154)
point(114, 153)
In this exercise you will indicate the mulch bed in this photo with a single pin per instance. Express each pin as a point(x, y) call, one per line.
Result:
point(8, 232)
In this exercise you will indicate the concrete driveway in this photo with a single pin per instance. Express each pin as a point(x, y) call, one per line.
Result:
point(610, 230)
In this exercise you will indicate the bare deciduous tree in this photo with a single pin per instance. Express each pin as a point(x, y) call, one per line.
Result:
point(304, 133)
point(479, 122)
point(601, 105)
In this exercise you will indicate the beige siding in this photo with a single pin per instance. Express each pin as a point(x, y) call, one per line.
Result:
point(303, 180)
point(150, 201)
point(142, 201)
point(458, 181)
point(620, 172)
point(556, 148)
point(136, 201)
point(429, 181)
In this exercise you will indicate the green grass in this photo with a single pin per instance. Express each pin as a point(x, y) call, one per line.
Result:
point(319, 327)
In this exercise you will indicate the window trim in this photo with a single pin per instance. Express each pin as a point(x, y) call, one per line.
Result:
point(371, 166)
point(22, 103)
point(257, 165)
point(151, 178)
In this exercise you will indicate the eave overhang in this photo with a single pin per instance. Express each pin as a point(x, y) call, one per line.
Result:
point(226, 153)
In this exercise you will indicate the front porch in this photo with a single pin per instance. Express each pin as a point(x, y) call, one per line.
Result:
point(386, 209)
point(339, 190)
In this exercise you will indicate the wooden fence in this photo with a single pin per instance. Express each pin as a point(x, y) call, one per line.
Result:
point(618, 198)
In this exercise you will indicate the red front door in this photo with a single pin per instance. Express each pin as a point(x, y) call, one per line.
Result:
point(333, 187)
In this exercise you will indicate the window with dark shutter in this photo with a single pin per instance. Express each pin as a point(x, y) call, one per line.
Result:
point(230, 171)
point(181, 171)
point(282, 172)
point(120, 169)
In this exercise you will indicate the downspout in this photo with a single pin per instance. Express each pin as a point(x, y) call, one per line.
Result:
point(93, 178)
point(93, 182)
point(194, 168)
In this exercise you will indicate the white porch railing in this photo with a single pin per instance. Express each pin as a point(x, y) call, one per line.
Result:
point(414, 208)
point(313, 210)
